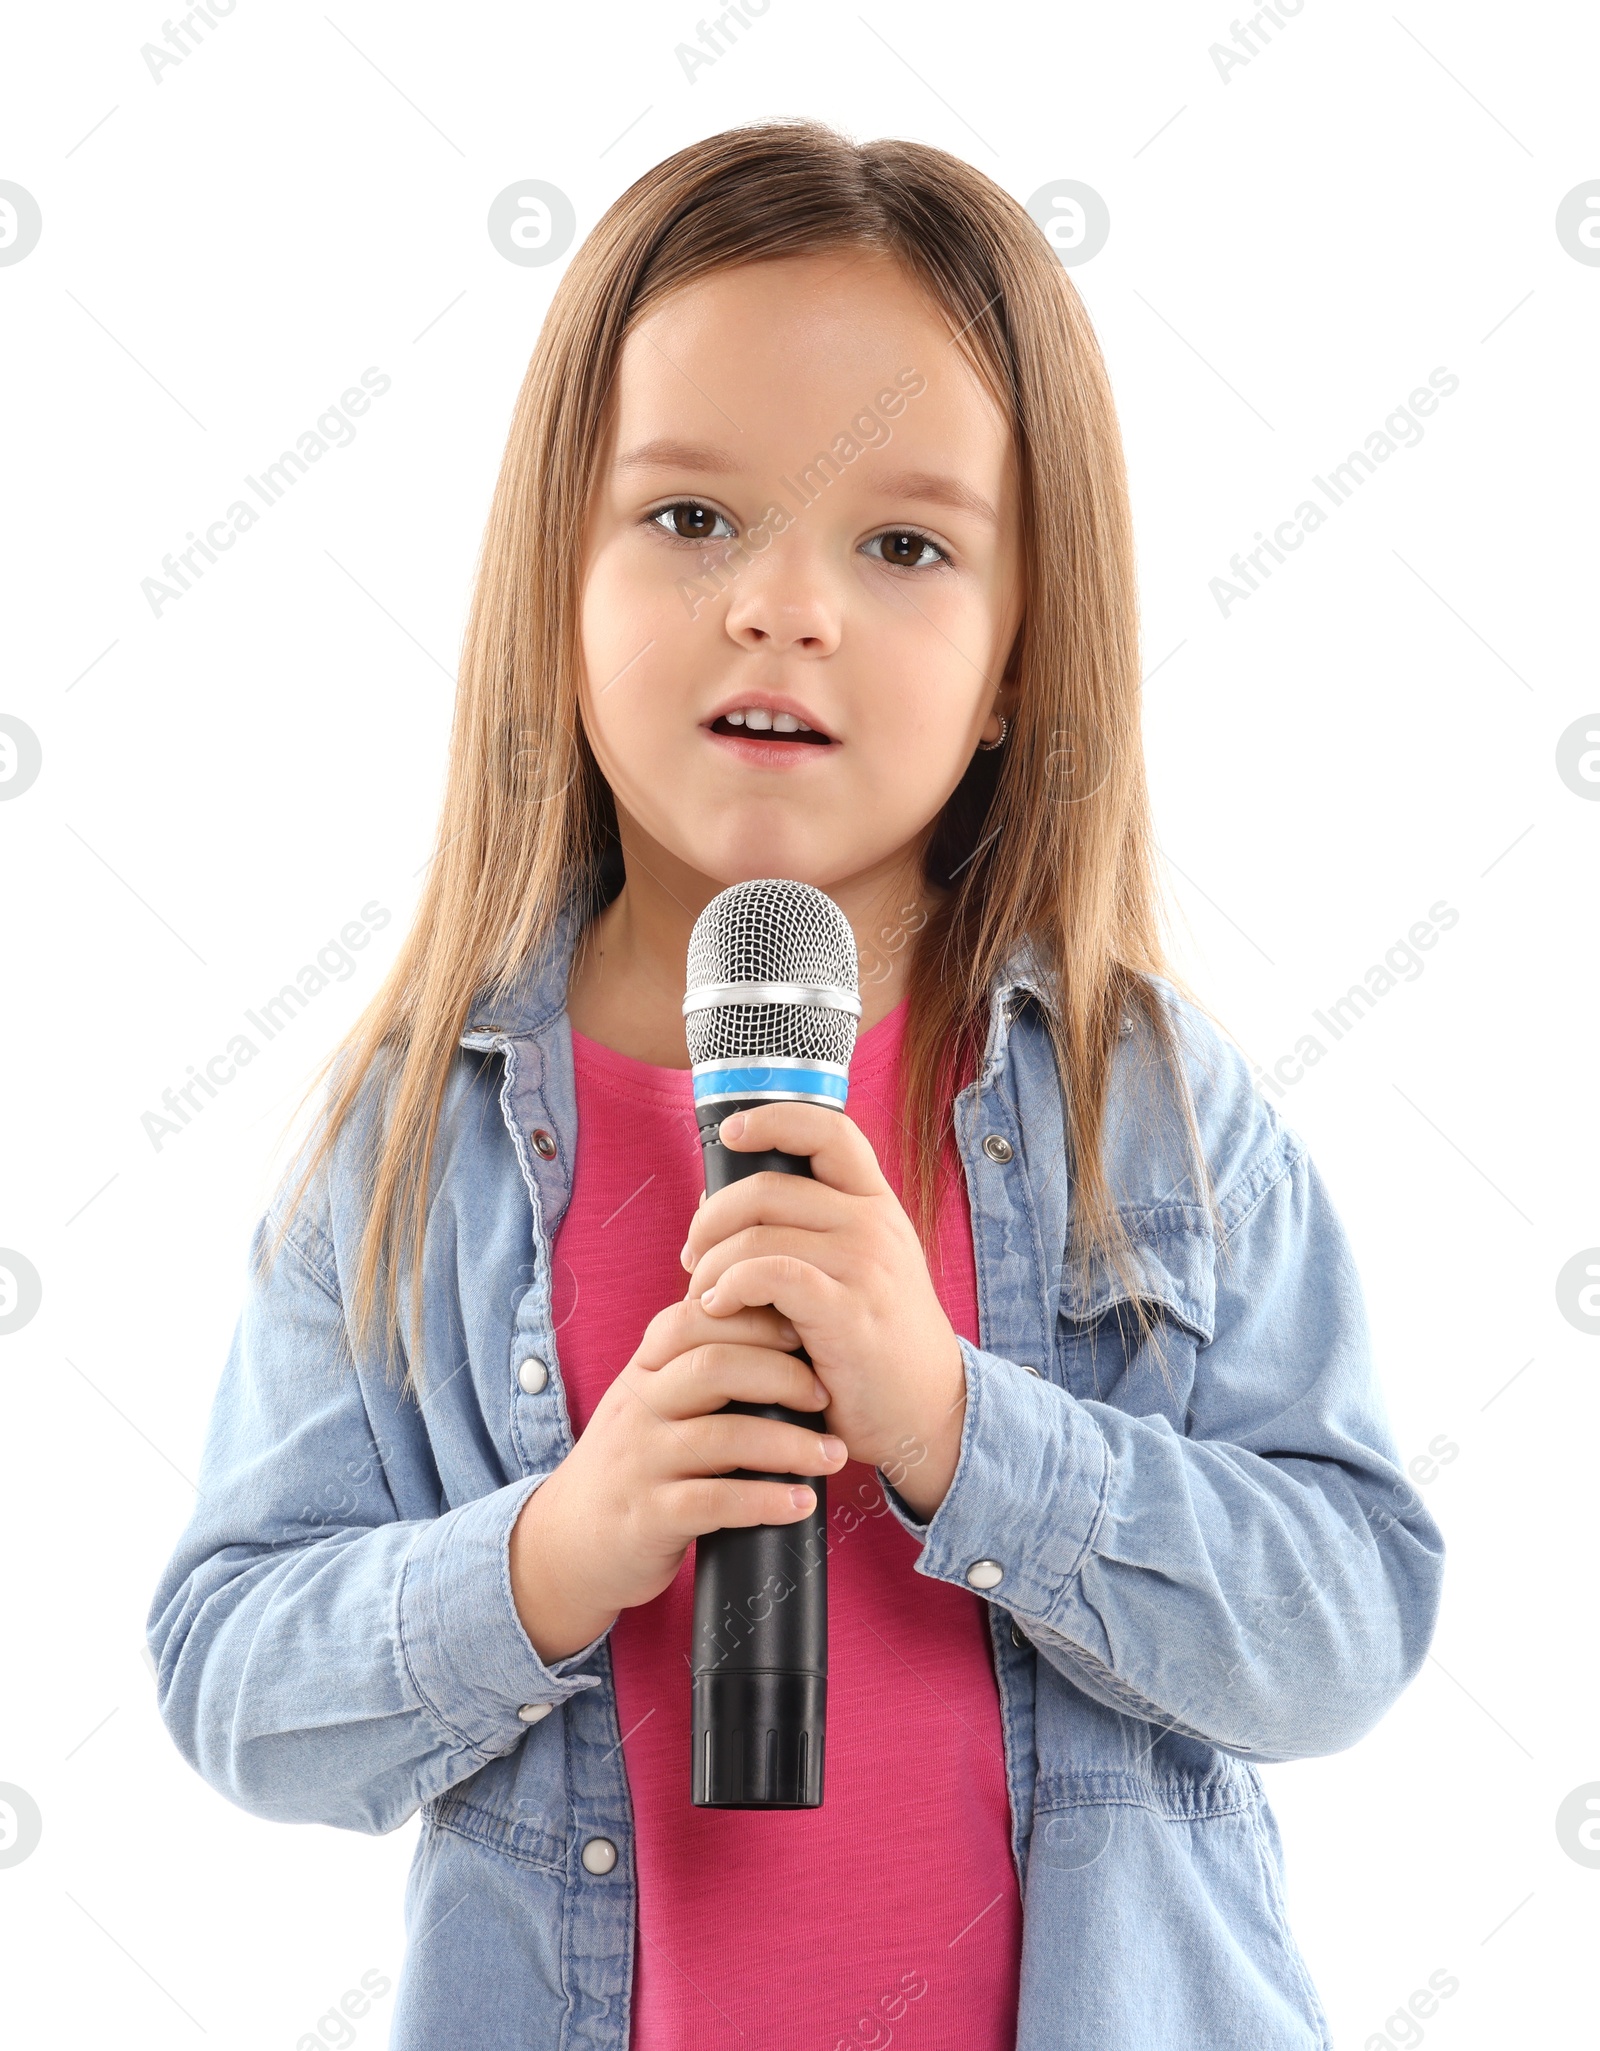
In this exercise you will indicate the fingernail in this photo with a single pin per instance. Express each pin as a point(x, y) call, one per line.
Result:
point(788, 1334)
point(731, 1126)
point(802, 1498)
point(708, 1298)
point(684, 1260)
point(834, 1448)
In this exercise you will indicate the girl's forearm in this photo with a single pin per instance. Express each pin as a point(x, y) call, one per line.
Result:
point(1271, 1598)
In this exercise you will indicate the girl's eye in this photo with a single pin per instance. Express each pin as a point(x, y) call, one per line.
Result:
point(902, 548)
point(690, 521)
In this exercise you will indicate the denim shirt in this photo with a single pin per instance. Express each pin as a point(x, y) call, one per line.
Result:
point(1200, 1568)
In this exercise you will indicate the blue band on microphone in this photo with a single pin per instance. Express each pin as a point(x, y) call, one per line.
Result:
point(776, 1079)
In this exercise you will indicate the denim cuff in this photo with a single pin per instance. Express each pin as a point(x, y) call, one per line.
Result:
point(1026, 1497)
point(461, 1640)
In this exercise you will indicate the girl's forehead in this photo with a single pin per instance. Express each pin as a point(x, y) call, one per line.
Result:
point(801, 346)
point(821, 278)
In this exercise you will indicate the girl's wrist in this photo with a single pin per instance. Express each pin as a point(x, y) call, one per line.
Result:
point(556, 1619)
point(924, 1486)
point(924, 1464)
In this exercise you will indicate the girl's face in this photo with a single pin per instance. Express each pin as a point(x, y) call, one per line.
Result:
point(802, 577)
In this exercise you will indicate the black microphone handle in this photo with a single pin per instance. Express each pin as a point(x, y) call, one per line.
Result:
point(760, 1657)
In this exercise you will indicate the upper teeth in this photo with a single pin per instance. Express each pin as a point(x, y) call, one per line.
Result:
point(757, 717)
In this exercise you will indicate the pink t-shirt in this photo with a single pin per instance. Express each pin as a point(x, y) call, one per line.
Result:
point(893, 1910)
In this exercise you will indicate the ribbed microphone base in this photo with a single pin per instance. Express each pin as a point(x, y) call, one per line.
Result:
point(758, 1740)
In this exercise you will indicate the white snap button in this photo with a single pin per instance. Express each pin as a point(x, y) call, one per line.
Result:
point(532, 1375)
point(534, 1712)
point(599, 1855)
point(998, 1147)
point(985, 1573)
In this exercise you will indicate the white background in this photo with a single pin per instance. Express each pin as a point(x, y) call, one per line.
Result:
point(224, 786)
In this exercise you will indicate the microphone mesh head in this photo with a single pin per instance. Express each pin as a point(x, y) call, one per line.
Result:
point(772, 931)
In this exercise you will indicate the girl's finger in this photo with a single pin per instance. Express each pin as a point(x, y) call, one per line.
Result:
point(800, 1291)
point(827, 1252)
point(766, 1199)
point(840, 1153)
point(684, 1325)
point(698, 1383)
point(765, 1445)
point(714, 1503)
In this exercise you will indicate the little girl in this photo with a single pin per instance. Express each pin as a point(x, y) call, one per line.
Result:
point(810, 557)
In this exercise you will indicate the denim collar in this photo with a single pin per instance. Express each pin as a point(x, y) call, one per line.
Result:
point(538, 994)
point(1169, 1228)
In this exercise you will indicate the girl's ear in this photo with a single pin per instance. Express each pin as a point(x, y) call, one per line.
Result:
point(1003, 710)
point(1005, 698)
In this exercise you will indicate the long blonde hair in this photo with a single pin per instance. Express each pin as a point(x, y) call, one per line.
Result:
point(1048, 840)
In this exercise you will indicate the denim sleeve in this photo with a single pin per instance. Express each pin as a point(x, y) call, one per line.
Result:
point(319, 1658)
point(1264, 1580)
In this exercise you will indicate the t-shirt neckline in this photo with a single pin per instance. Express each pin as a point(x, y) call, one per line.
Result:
point(875, 1050)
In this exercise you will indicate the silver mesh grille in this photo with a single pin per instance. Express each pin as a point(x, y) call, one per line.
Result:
point(772, 930)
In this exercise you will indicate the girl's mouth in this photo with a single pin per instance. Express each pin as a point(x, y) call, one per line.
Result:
point(755, 724)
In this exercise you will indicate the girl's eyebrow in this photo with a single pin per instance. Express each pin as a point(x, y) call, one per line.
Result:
point(942, 491)
point(667, 454)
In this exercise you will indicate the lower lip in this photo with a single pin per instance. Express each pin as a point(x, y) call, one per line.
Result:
point(763, 754)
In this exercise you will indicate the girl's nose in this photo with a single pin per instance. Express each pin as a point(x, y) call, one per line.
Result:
point(785, 608)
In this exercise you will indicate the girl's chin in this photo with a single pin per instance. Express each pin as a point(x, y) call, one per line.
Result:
point(739, 849)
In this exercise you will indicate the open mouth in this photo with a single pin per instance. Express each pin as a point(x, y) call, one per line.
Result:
point(754, 724)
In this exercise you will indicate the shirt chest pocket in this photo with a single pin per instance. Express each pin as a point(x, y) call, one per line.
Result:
point(1103, 1355)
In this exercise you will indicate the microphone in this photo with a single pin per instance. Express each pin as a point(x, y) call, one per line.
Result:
point(771, 1014)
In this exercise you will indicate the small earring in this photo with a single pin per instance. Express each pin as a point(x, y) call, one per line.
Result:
point(988, 747)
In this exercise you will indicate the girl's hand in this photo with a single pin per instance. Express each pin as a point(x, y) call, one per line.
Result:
point(841, 1260)
point(610, 1527)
